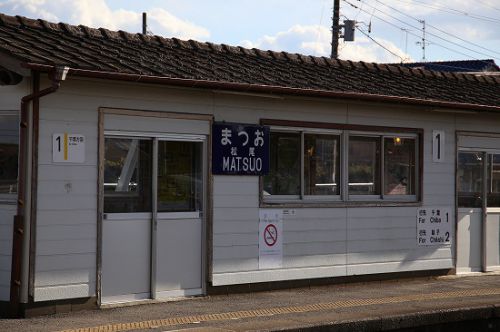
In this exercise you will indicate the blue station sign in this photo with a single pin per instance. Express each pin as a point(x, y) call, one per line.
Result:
point(240, 149)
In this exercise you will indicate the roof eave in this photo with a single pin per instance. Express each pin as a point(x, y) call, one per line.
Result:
point(260, 88)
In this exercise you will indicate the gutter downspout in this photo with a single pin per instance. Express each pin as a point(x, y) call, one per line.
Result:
point(18, 238)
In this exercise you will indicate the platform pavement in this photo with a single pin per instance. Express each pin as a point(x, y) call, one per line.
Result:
point(368, 306)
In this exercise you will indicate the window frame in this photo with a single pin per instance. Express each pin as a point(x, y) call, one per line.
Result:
point(11, 198)
point(344, 131)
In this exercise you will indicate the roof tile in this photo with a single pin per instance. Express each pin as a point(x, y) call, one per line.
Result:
point(81, 47)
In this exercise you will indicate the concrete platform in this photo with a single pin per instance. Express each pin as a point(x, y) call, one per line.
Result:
point(456, 302)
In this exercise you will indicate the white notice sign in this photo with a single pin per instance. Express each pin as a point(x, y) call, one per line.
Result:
point(433, 226)
point(68, 148)
point(270, 238)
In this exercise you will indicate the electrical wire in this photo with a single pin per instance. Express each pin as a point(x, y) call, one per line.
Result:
point(379, 44)
point(453, 11)
point(440, 30)
point(415, 27)
point(488, 5)
point(413, 34)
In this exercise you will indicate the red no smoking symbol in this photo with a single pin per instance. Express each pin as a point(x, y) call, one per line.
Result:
point(270, 235)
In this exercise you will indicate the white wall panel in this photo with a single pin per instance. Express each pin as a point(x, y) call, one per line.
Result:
point(10, 95)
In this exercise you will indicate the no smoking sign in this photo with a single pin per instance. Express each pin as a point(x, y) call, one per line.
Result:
point(271, 235)
point(270, 238)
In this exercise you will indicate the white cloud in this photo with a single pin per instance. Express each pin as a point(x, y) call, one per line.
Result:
point(315, 40)
point(176, 26)
point(96, 13)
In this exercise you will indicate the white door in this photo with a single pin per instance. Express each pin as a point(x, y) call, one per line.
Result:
point(126, 222)
point(478, 230)
point(179, 226)
point(152, 234)
point(492, 231)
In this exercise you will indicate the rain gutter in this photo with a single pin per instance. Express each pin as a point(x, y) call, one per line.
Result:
point(56, 76)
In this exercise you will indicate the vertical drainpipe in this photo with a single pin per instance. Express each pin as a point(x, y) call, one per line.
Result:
point(18, 238)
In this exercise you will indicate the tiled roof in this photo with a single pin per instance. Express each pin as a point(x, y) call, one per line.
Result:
point(487, 65)
point(100, 50)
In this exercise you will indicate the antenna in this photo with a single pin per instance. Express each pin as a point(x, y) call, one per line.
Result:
point(423, 42)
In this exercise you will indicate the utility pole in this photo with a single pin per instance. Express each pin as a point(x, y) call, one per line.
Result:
point(144, 24)
point(335, 29)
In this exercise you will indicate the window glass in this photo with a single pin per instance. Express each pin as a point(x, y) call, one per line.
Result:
point(364, 165)
point(9, 147)
point(284, 170)
point(470, 179)
point(127, 175)
point(321, 165)
point(179, 176)
point(494, 180)
point(399, 166)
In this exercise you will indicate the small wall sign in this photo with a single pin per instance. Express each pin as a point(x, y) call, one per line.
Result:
point(68, 148)
point(270, 238)
point(438, 146)
point(240, 149)
point(433, 226)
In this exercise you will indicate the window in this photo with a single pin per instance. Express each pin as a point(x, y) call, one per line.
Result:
point(313, 164)
point(493, 180)
point(364, 165)
point(284, 168)
point(321, 164)
point(399, 166)
point(9, 147)
point(470, 179)
point(179, 176)
point(127, 175)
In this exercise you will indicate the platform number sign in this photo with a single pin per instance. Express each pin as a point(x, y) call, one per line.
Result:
point(434, 226)
point(438, 146)
point(68, 148)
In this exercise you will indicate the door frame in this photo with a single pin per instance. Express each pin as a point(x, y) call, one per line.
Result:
point(484, 207)
point(206, 218)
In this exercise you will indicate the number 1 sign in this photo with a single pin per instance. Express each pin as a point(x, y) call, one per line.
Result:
point(68, 148)
point(438, 146)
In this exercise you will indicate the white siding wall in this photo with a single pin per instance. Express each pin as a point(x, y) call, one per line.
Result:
point(66, 234)
point(319, 242)
point(326, 242)
point(10, 99)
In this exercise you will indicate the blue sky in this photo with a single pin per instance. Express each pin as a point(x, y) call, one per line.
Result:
point(297, 26)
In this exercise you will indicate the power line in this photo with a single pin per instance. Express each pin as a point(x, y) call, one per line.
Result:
point(379, 44)
point(413, 34)
point(440, 30)
point(488, 5)
point(453, 11)
point(414, 27)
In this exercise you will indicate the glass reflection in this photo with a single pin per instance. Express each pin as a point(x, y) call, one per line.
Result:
point(127, 175)
point(494, 180)
point(364, 165)
point(284, 168)
point(321, 165)
point(399, 166)
point(470, 179)
point(179, 176)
